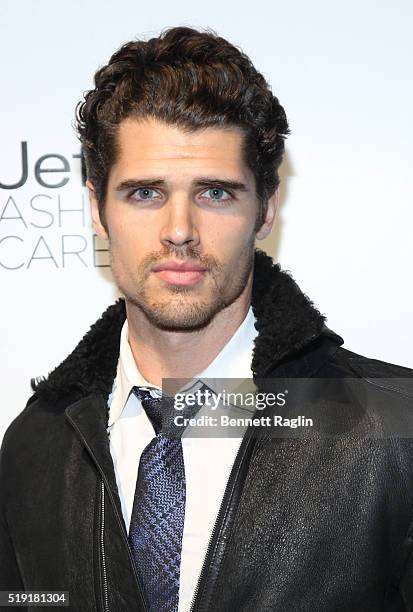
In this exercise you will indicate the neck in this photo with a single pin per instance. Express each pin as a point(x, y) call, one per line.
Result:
point(182, 354)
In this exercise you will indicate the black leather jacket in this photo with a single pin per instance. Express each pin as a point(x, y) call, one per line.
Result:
point(313, 523)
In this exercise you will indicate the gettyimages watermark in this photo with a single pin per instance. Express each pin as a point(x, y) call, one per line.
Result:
point(285, 408)
point(258, 401)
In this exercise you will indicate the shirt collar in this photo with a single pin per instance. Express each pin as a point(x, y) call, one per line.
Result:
point(234, 359)
point(232, 362)
point(127, 377)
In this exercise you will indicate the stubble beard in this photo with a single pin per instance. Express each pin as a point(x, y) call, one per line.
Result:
point(183, 312)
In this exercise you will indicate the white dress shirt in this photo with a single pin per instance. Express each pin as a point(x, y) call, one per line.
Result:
point(208, 460)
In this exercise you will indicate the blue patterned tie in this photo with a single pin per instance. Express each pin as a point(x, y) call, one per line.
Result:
point(157, 521)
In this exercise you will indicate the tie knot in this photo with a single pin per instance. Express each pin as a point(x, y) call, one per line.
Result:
point(159, 410)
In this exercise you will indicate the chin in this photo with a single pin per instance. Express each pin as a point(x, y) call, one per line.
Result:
point(179, 316)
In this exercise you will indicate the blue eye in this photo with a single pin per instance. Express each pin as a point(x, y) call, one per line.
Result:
point(143, 193)
point(217, 193)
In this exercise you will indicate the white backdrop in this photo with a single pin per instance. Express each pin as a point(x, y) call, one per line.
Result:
point(343, 73)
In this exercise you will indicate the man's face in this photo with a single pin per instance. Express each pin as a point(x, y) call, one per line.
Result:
point(180, 214)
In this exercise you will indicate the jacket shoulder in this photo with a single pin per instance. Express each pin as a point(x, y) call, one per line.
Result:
point(13, 447)
point(19, 427)
point(27, 445)
point(389, 376)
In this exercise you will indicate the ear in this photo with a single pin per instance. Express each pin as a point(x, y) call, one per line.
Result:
point(272, 206)
point(95, 213)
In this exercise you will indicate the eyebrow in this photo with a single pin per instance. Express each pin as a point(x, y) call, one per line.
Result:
point(130, 184)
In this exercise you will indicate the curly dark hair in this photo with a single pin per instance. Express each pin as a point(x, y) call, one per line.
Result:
point(190, 79)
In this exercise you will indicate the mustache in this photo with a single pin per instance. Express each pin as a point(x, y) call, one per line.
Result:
point(185, 253)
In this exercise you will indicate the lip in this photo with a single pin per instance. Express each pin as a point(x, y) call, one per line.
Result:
point(178, 266)
point(181, 273)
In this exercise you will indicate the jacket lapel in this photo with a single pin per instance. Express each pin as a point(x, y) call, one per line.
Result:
point(88, 418)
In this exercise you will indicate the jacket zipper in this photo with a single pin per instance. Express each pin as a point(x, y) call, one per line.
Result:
point(102, 548)
point(242, 452)
point(143, 602)
point(137, 582)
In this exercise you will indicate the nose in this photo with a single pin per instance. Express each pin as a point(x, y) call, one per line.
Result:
point(179, 227)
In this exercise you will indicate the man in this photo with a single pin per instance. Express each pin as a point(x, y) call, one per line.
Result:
point(182, 140)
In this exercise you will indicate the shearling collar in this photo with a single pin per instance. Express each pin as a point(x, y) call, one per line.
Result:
point(286, 321)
